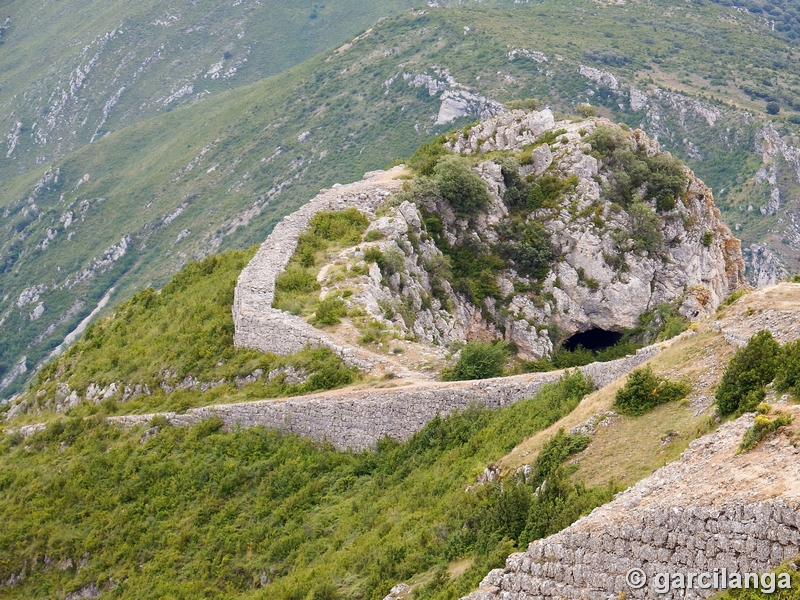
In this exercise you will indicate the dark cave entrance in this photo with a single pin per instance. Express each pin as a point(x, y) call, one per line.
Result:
point(593, 339)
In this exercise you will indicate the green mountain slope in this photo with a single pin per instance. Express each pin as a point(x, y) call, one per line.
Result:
point(218, 174)
point(74, 71)
point(201, 513)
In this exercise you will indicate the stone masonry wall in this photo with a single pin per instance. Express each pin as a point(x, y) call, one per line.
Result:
point(712, 509)
point(358, 419)
point(257, 324)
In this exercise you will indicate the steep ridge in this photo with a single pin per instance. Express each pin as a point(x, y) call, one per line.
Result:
point(711, 510)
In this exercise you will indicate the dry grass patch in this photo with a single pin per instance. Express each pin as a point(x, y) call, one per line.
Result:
point(630, 448)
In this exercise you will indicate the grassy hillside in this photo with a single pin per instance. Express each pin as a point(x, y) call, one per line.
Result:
point(173, 349)
point(218, 174)
point(202, 513)
point(161, 511)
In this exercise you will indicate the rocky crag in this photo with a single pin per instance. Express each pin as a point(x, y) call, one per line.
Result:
point(605, 270)
point(713, 509)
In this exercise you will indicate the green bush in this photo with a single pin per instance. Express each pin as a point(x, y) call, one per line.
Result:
point(645, 228)
point(460, 186)
point(568, 359)
point(708, 237)
point(546, 191)
point(557, 449)
point(344, 227)
point(762, 427)
point(733, 297)
point(330, 311)
point(526, 104)
point(527, 246)
point(296, 280)
point(748, 371)
point(516, 188)
point(787, 376)
point(478, 360)
point(631, 168)
point(424, 160)
point(644, 390)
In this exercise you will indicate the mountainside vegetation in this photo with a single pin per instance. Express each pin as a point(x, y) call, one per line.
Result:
point(172, 349)
point(164, 511)
point(134, 206)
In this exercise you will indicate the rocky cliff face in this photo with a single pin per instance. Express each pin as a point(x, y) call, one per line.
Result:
point(610, 262)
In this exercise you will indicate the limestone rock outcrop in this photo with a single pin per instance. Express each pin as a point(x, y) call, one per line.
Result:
point(699, 264)
point(600, 278)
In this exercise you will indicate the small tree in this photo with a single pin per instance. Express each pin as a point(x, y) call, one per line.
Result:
point(750, 369)
point(425, 158)
point(586, 110)
point(645, 228)
point(478, 360)
point(773, 108)
point(645, 390)
point(788, 374)
point(460, 186)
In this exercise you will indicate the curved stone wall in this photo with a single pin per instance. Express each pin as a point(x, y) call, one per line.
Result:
point(257, 324)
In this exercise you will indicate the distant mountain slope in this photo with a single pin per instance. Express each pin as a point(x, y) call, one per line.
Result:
point(72, 71)
point(132, 207)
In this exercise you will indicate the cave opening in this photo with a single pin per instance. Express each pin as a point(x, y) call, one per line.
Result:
point(593, 339)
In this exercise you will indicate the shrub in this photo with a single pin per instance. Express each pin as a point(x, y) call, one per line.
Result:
point(460, 186)
point(708, 237)
point(667, 180)
point(516, 189)
point(527, 246)
point(773, 108)
point(762, 427)
point(733, 297)
point(788, 373)
point(567, 359)
point(546, 191)
point(373, 236)
point(330, 311)
point(645, 228)
point(393, 262)
point(296, 280)
point(478, 360)
point(424, 160)
point(644, 390)
point(528, 104)
point(344, 227)
point(631, 168)
point(557, 449)
point(373, 255)
point(750, 369)
point(586, 110)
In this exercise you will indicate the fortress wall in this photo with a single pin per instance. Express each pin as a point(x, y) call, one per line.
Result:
point(358, 419)
point(712, 509)
point(257, 324)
